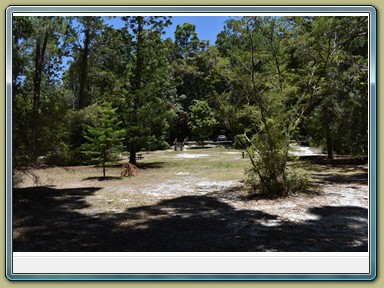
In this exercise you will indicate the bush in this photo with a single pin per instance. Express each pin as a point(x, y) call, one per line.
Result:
point(295, 180)
point(75, 121)
point(261, 186)
point(299, 181)
point(201, 121)
point(151, 143)
point(62, 156)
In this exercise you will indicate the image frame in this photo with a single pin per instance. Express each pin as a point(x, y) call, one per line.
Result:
point(197, 9)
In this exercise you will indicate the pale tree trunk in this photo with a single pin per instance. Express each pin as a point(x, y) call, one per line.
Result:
point(83, 96)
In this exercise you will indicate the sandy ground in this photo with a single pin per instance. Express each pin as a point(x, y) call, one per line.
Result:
point(185, 211)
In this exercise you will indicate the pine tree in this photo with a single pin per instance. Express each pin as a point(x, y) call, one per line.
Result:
point(149, 79)
point(104, 137)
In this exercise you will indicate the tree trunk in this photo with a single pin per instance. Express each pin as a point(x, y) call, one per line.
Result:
point(41, 46)
point(83, 97)
point(137, 86)
point(103, 169)
point(329, 140)
point(132, 153)
point(15, 70)
point(328, 135)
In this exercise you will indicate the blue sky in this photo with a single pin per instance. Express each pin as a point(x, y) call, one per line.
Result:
point(207, 27)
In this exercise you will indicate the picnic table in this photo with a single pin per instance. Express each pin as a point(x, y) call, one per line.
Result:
point(179, 145)
point(139, 156)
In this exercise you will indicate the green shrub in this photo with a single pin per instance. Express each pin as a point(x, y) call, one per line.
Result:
point(62, 156)
point(299, 181)
point(294, 180)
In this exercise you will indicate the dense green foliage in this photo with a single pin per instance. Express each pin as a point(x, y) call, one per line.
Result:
point(202, 121)
point(266, 81)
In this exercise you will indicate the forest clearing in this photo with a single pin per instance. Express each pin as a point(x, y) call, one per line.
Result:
point(91, 94)
point(191, 200)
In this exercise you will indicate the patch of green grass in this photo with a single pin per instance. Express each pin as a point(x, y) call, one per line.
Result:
point(221, 165)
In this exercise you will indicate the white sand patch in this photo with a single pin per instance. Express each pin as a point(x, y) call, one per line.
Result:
point(232, 153)
point(211, 186)
point(190, 156)
point(182, 173)
point(169, 189)
point(270, 222)
point(188, 186)
point(344, 195)
point(305, 151)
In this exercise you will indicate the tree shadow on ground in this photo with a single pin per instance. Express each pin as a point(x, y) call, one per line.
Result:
point(41, 215)
point(47, 219)
point(356, 178)
point(101, 178)
point(337, 162)
point(198, 147)
point(150, 165)
point(338, 171)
